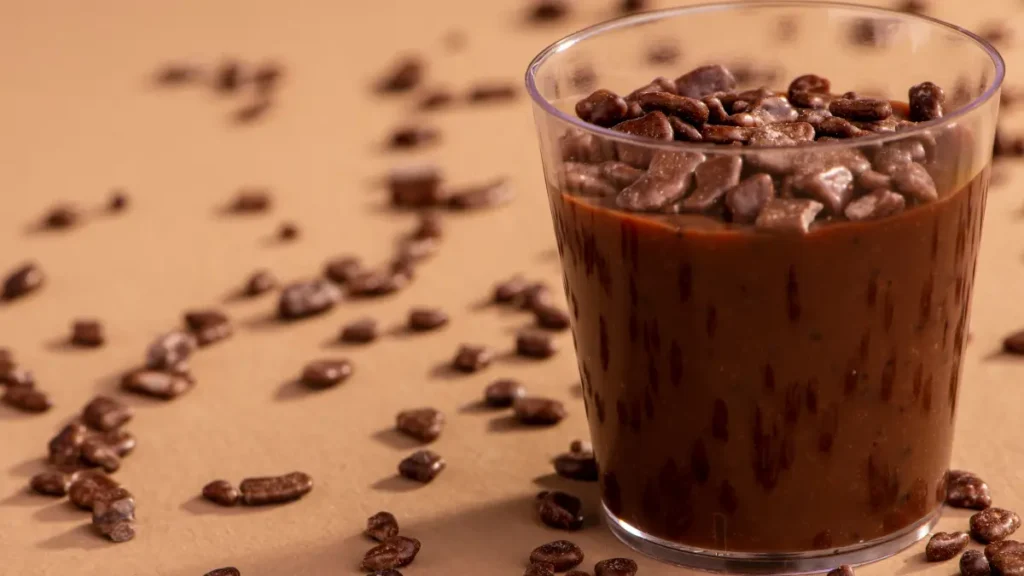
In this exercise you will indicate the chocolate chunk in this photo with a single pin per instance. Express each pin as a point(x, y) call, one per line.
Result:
point(536, 411)
point(630, 6)
point(342, 269)
point(994, 524)
point(509, 290)
point(788, 215)
point(716, 109)
point(926, 101)
point(1000, 547)
point(208, 326)
point(228, 571)
point(863, 109)
point(603, 107)
point(413, 136)
point(619, 174)
point(415, 186)
point(974, 563)
point(1008, 560)
point(844, 570)
point(422, 466)
point(104, 413)
point(665, 182)
point(426, 319)
point(714, 177)
point(813, 117)
point(22, 281)
point(392, 553)
point(875, 205)
point(260, 282)
point(654, 126)
point(436, 99)
point(870, 180)
point(561, 554)
point(322, 374)
point(773, 109)
point(615, 567)
point(423, 424)
point(535, 344)
point(535, 295)
point(228, 77)
point(405, 75)
point(705, 81)
point(87, 334)
point(288, 231)
point(51, 483)
point(275, 489)
point(560, 510)
point(361, 331)
point(115, 518)
point(267, 77)
point(966, 490)
point(305, 299)
point(14, 376)
point(576, 573)
point(251, 201)
point(492, 91)
point(945, 546)
point(122, 442)
point(489, 194)
point(683, 132)
point(170, 350)
point(503, 393)
point(540, 569)
point(61, 216)
point(95, 452)
point(27, 399)
point(808, 84)
point(659, 84)
point(472, 358)
point(374, 283)
point(913, 181)
point(551, 317)
point(578, 464)
point(176, 74)
point(832, 187)
point(91, 487)
point(746, 199)
point(586, 180)
point(382, 526)
point(715, 134)
point(836, 127)
point(221, 492)
point(161, 384)
point(690, 110)
point(65, 448)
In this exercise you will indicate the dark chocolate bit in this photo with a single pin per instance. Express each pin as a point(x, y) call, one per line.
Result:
point(342, 269)
point(551, 317)
point(381, 526)
point(492, 91)
point(913, 181)
point(436, 99)
point(536, 411)
point(305, 299)
point(104, 413)
point(251, 201)
point(61, 216)
point(966, 490)
point(275, 489)
point(260, 282)
point(912, 6)
point(874, 205)
point(208, 326)
point(322, 374)
point(22, 281)
point(630, 6)
point(716, 134)
point(404, 76)
point(863, 109)
point(170, 350)
point(390, 554)
point(288, 231)
point(777, 135)
point(746, 199)
point(540, 569)
point(1007, 560)
point(156, 383)
point(690, 110)
point(415, 186)
point(836, 127)
point(228, 77)
point(808, 84)
point(95, 452)
point(1013, 344)
point(509, 290)
point(716, 109)
point(426, 319)
point(926, 100)
point(227, 571)
point(87, 334)
point(832, 187)
point(996, 548)
point(503, 393)
point(705, 81)
point(654, 126)
point(665, 182)
point(13, 376)
point(178, 74)
point(535, 344)
point(603, 107)
point(659, 84)
point(115, 518)
point(65, 448)
point(560, 510)
point(536, 294)
point(27, 399)
point(683, 132)
point(945, 546)
point(871, 180)
point(586, 180)
point(413, 136)
point(974, 563)
point(560, 554)
point(577, 464)
point(472, 358)
point(714, 177)
point(813, 117)
point(423, 424)
point(361, 331)
point(844, 570)
point(994, 524)
point(615, 567)
point(92, 486)
point(122, 442)
point(422, 466)
point(51, 483)
point(549, 10)
point(788, 215)
point(267, 77)
point(773, 109)
point(221, 492)
point(489, 194)
point(893, 156)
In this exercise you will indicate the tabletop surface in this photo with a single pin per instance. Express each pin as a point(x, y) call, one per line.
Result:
point(80, 115)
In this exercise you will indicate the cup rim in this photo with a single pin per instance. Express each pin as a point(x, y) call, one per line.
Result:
point(643, 17)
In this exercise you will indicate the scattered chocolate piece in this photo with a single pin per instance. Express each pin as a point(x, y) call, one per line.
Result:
point(878, 204)
point(788, 215)
point(95, 452)
point(535, 344)
point(603, 107)
point(229, 571)
point(705, 81)
point(844, 570)
point(260, 282)
point(309, 298)
point(549, 10)
point(160, 384)
point(426, 319)
point(912, 6)
point(322, 374)
point(576, 573)
point(428, 226)
point(654, 126)
point(170, 350)
point(913, 181)
point(22, 281)
point(974, 563)
point(413, 136)
point(995, 548)
point(664, 183)
point(512, 289)
point(540, 569)
point(251, 201)
point(486, 195)
point(115, 518)
point(122, 442)
point(471, 358)
point(275, 489)
point(177, 74)
point(577, 464)
point(436, 99)
point(27, 399)
point(267, 77)
point(405, 75)
point(994, 524)
point(15, 376)
point(288, 231)
point(87, 334)
point(862, 109)
point(65, 448)
point(382, 526)
point(391, 553)
point(90, 487)
point(746, 199)
point(361, 331)
point(51, 483)
point(486, 92)
point(714, 177)
point(208, 326)
point(690, 110)
point(615, 567)
point(252, 111)
point(372, 283)
point(926, 101)
point(228, 77)
point(536, 411)
point(104, 413)
point(221, 492)
point(61, 217)
point(342, 269)
point(503, 393)
point(561, 554)
point(422, 466)
point(551, 317)
point(946, 545)
point(423, 424)
point(415, 186)
point(1008, 560)
point(560, 510)
point(966, 490)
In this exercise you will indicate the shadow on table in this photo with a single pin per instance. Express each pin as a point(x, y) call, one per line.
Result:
point(202, 506)
point(395, 439)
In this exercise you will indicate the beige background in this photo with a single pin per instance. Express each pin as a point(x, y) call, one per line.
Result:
point(78, 115)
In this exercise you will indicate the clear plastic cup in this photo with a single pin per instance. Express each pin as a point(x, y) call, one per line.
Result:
point(762, 401)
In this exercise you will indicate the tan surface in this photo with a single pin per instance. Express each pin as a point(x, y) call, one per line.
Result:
point(79, 117)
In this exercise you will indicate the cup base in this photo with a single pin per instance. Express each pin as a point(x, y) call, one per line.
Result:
point(768, 562)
